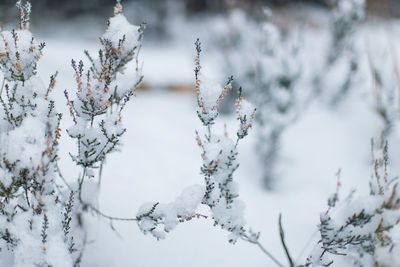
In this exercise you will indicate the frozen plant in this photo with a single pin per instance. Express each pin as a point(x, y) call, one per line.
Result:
point(270, 65)
point(364, 230)
point(277, 91)
point(342, 60)
point(34, 221)
point(219, 153)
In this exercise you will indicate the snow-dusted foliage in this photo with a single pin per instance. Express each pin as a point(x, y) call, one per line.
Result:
point(34, 225)
point(101, 96)
point(342, 61)
point(219, 153)
point(362, 229)
point(270, 65)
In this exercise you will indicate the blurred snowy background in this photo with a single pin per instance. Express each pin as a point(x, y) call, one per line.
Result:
point(160, 155)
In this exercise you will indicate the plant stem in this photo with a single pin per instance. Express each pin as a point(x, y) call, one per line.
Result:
point(111, 218)
point(100, 174)
point(81, 183)
point(282, 235)
point(2, 86)
point(263, 249)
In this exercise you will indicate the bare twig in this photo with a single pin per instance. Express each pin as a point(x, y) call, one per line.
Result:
point(111, 218)
point(282, 235)
point(81, 184)
point(2, 86)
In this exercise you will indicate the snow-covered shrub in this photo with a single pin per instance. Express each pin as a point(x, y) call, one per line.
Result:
point(279, 96)
point(101, 96)
point(38, 215)
point(270, 65)
point(363, 230)
point(219, 153)
point(347, 14)
point(34, 216)
point(102, 92)
point(342, 59)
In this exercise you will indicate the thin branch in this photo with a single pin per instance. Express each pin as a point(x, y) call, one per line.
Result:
point(2, 86)
point(282, 235)
point(100, 174)
point(111, 218)
point(81, 184)
point(58, 170)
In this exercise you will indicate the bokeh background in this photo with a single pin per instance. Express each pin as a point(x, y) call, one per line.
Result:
point(160, 156)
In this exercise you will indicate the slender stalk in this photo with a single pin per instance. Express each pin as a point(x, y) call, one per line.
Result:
point(81, 183)
point(58, 170)
point(111, 218)
point(100, 173)
point(265, 251)
point(245, 237)
point(2, 86)
point(282, 235)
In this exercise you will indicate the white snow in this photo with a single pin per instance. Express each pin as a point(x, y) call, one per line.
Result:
point(160, 158)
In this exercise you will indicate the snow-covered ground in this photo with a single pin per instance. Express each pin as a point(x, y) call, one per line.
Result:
point(160, 157)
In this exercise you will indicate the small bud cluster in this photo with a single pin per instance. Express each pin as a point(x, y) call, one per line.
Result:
point(19, 50)
point(245, 114)
point(210, 95)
